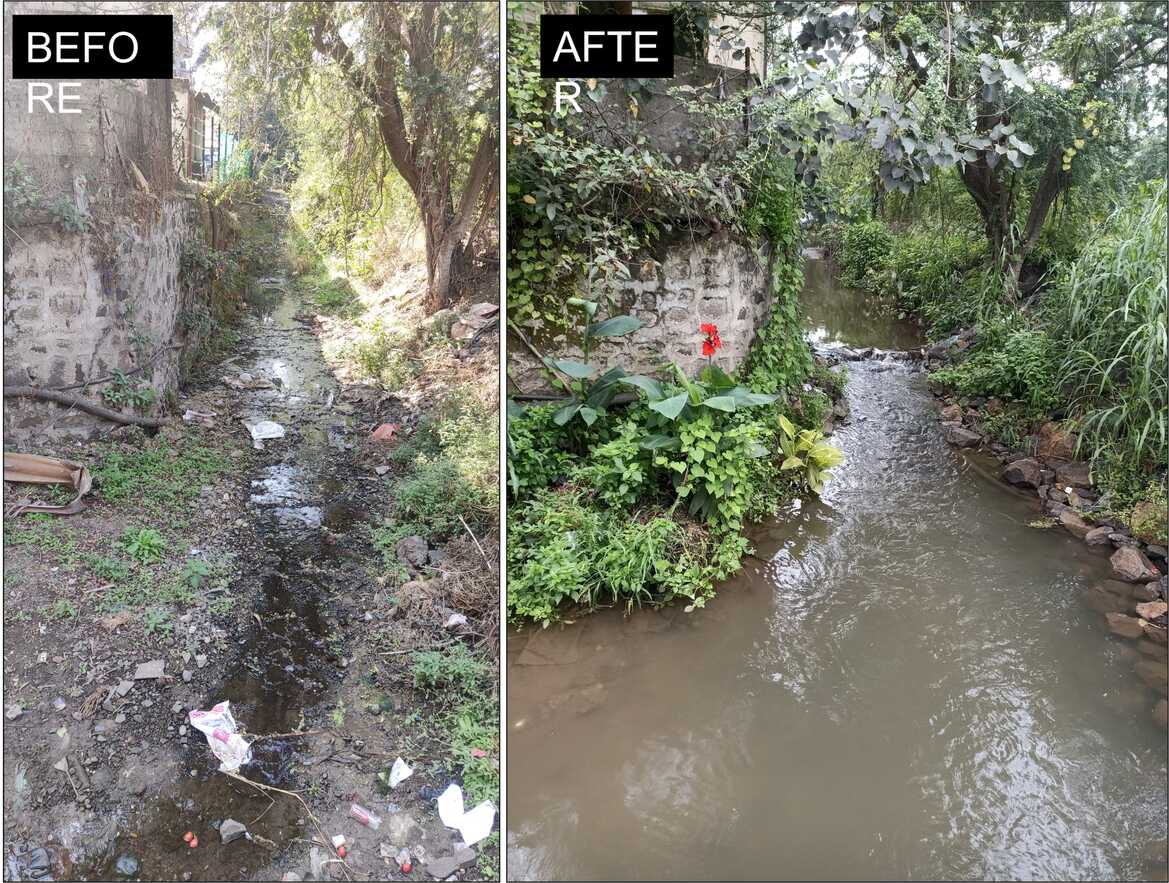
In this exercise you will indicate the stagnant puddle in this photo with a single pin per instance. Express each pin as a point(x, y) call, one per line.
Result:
point(904, 682)
point(289, 658)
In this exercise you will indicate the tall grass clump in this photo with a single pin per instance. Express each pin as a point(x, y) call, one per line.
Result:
point(1110, 315)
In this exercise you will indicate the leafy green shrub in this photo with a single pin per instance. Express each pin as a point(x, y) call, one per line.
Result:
point(535, 457)
point(806, 450)
point(865, 250)
point(455, 669)
point(474, 744)
point(468, 435)
point(931, 277)
point(380, 356)
point(108, 569)
point(564, 548)
point(332, 295)
point(434, 496)
point(774, 207)
point(618, 469)
point(145, 545)
point(1019, 364)
point(1150, 517)
point(22, 193)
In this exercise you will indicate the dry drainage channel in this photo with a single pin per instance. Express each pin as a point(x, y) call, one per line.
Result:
point(286, 663)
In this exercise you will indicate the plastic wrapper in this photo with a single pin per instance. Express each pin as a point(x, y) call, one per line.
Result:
point(222, 735)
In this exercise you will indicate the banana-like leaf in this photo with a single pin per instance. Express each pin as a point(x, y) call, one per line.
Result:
point(670, 408)
point(787, 426)
point(651, 388)
point(579, 370)
point(614, 327)
point(720, 403)
point(566, 413)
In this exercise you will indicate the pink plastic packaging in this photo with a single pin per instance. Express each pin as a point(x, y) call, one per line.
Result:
point(364, 816)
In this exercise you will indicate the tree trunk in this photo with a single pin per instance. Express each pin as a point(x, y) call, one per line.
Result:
point(444, 222)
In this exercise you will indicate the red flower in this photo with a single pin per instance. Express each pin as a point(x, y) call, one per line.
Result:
point(712, 341)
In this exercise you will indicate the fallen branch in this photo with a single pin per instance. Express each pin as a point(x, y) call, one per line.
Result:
point(316, 822)
point(61, 398)
point(150, 361)
point(476, 539)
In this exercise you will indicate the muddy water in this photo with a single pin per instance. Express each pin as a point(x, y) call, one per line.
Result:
point(904, 683)
point(289, 659)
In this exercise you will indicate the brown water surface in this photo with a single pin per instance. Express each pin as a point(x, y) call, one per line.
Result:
point(904, 683)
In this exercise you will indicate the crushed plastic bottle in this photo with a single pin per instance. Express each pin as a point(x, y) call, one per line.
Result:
point(403, 860)
point(364, 816)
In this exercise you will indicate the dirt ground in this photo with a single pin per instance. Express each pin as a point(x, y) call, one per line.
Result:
point(288, 611)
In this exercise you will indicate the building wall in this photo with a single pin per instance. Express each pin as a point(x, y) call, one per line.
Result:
point(714, 279)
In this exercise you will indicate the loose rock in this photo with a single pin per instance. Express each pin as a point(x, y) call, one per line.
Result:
point(1024, 473)
point(441, 868)
point(1152, 609)
point(1074, 524)
point(960, 436)
point(412, 551)
point(1125, 626)
point(147, 671)
point(231, 830)
point(1131, 565)
point(1074, 474)
point(1098, 536)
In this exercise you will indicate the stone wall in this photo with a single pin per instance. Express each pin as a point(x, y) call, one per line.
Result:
point(92, 276)
point(715, 279)
point(689, 139)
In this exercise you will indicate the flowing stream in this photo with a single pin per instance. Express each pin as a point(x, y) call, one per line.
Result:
point(903, 682)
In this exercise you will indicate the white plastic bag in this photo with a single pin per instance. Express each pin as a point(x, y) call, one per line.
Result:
point(263, 429)
point(220, 729)
point(399, 773)
point(474, 825)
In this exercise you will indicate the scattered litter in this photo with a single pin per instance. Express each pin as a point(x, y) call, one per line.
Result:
point(220, 728)
point(316, 860)
point(478, 752)
point(248, 381)
point(201, 659)
point(341, 851)
point(193, 843)
point(263, 430)
point(42, 658)
point(12, 712)
point(207, 418)
point(454, 621)
point(399, 773)
point(385, 432)
point(231, 830)
point(127, 866)
point(364, 816)
point(34, 469)
point(381, 470)
point(189, 836)
point(59, 704)
point(338, 841)
point(403, 860)
point(148, 671)
point(124, 687)
point(62, 765)
point(474, 825)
